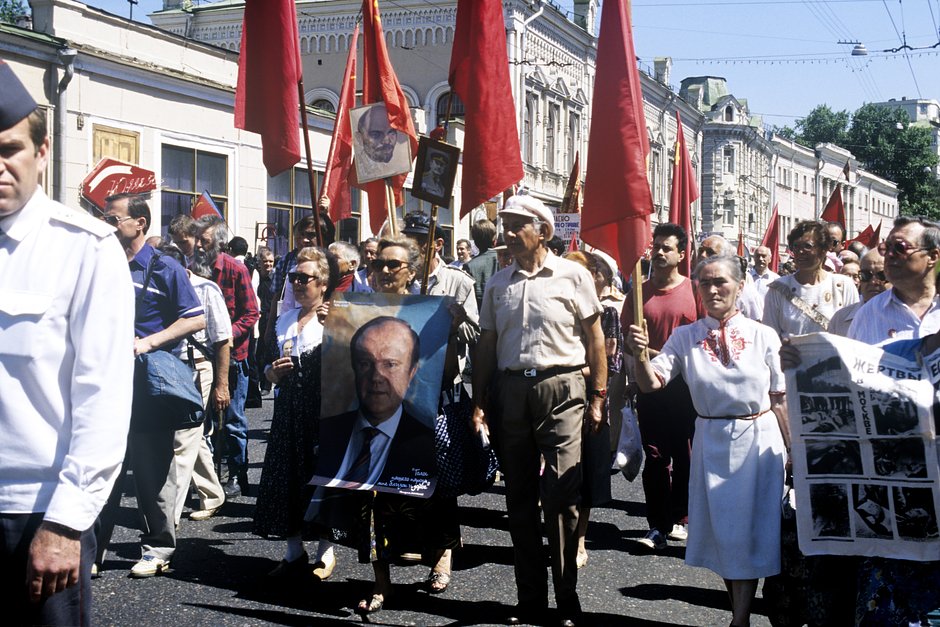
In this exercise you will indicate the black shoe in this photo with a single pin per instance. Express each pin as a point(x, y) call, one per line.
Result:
point(233, 488)
point(528, 614)
point(293, 569)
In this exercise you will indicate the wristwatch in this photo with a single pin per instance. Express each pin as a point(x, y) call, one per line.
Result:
point(599, 393)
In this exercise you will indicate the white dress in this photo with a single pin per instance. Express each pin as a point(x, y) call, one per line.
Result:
point(737, 473)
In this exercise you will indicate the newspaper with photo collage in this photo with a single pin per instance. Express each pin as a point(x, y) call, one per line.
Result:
point(865, 461)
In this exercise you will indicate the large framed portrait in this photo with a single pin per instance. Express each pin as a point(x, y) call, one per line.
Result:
point(383, 359)
point(435, 171)
point(379, 150)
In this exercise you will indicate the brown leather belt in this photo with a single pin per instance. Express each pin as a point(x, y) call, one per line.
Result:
point(534, 373)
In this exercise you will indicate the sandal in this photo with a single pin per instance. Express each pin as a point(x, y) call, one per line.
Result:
point(371, 606)
point(438, 581)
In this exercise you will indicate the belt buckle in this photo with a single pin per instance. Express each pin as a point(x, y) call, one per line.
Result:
point(530, 372)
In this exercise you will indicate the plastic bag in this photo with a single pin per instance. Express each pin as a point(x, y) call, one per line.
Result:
point(630, 447)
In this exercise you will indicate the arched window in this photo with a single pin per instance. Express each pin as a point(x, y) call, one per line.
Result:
point(729, 114)
point(323, 105)
point(456, 109)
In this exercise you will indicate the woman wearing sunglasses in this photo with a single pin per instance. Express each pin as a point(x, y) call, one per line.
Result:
point(289, 461)
point(804, 302)
point(406, 529)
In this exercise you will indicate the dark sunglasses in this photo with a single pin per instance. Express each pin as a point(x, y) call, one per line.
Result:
point(115, 220)
point(898, 248)
point(300, 277)
point(393, 265)
point(868, 275)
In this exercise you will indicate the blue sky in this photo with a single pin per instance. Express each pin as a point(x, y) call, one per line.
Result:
point(781, 55)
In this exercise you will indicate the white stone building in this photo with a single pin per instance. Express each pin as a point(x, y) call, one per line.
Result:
point(115, 88)
point(924, 113)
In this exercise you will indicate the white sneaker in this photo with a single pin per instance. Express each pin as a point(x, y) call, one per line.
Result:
point(148, 566)
point(679, 533)
point(653, 540)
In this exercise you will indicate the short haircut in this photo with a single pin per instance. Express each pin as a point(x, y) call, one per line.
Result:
point(836, 224)
point(366, 242)
point(402, 241)
point(463, 241)
point(347, 252)
point(483, 234)
point(930, 238)
point(238, 246)
point(731, 264)
point(263, 251)
point(137, 206)
point(817, 229)
point(556, 244)
point(670, 229)
point(381, 321)
point(327, 228)
point(182, 225)
point(38, 131)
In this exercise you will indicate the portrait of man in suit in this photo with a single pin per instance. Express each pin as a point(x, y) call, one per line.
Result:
point(380, 445)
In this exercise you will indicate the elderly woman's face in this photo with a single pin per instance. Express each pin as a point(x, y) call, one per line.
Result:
point(807, 254)
point(391, 272)
point(718, 290)
point(309, 286)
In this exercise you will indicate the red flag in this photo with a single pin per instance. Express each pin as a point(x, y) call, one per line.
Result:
point(772, 239)
point(339, 160)
point(846, 170)
point(269, 69)
point(835, 210)
point(571, 201)
point(684, 193)
point(617, 197)
point(380, 84)
point(741, 247)
point(573, 245)
point(205, 206)
point(479, 73)
point(876, 238)
point(869, 237)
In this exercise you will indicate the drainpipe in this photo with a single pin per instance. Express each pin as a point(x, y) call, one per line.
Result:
point(67, 59)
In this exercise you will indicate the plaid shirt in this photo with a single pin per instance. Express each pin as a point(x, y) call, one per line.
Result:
point(233, 278)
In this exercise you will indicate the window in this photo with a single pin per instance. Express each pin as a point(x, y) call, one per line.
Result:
point(729, 211)
point(288, 201)
point(551, 130)
point(528, 142)
point(728, 160)
point(574, 137)
point(456, 109)
point(187, 173)
point(729, 114)
point(323, 105)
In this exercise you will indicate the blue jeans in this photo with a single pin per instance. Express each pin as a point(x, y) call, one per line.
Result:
point(235, 426)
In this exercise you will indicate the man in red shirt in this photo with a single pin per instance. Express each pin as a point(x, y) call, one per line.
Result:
point(666, 417)
point(233, 278)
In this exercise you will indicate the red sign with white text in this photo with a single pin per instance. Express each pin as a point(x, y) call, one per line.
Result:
point(111, 177)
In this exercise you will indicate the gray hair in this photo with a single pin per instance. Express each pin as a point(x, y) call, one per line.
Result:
point(930, 238)
point(347, 252)
point(730, 263)
point(414, 252)
point(218, 226)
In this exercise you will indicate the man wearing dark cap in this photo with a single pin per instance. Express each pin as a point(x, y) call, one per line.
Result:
point(66, 365)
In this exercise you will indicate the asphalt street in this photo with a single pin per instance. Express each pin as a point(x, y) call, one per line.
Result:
point(218, 573)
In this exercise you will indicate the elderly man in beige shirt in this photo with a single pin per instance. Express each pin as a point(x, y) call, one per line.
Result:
point(540, 327)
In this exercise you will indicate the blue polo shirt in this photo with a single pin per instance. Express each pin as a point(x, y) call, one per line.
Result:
point(170, 296)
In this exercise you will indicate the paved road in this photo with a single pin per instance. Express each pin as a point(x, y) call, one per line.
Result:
point(218, 573)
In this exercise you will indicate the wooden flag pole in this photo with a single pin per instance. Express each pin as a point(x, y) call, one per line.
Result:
point(430, 250)
point(642, 355)
point(390, 203)
point(314, 200)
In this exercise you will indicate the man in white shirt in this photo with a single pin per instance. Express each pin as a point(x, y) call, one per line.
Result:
point(911, 308)
point(872, 281)
point(66, 368)
point(760, 273)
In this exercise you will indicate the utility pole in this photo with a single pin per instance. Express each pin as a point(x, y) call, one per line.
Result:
point(132, 3)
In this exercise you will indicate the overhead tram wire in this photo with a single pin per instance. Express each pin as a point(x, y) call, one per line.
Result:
point(904, 46)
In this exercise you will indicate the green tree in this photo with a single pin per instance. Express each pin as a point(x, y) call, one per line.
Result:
point(822, 125)
point(888, 145)
point(12, 9)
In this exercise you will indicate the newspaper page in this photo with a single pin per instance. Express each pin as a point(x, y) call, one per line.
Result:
point(865, 464)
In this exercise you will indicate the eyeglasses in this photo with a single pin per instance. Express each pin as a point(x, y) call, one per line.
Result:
point(300, 277)
point(803, 247)
point(115, 220)
point(868, 275)
point(898, 248)
point(393, 265)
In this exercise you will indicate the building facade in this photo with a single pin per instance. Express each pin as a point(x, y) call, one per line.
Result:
point(924, 113)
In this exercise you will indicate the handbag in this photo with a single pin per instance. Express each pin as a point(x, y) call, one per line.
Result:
point(466, 464)
point(165, 393)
